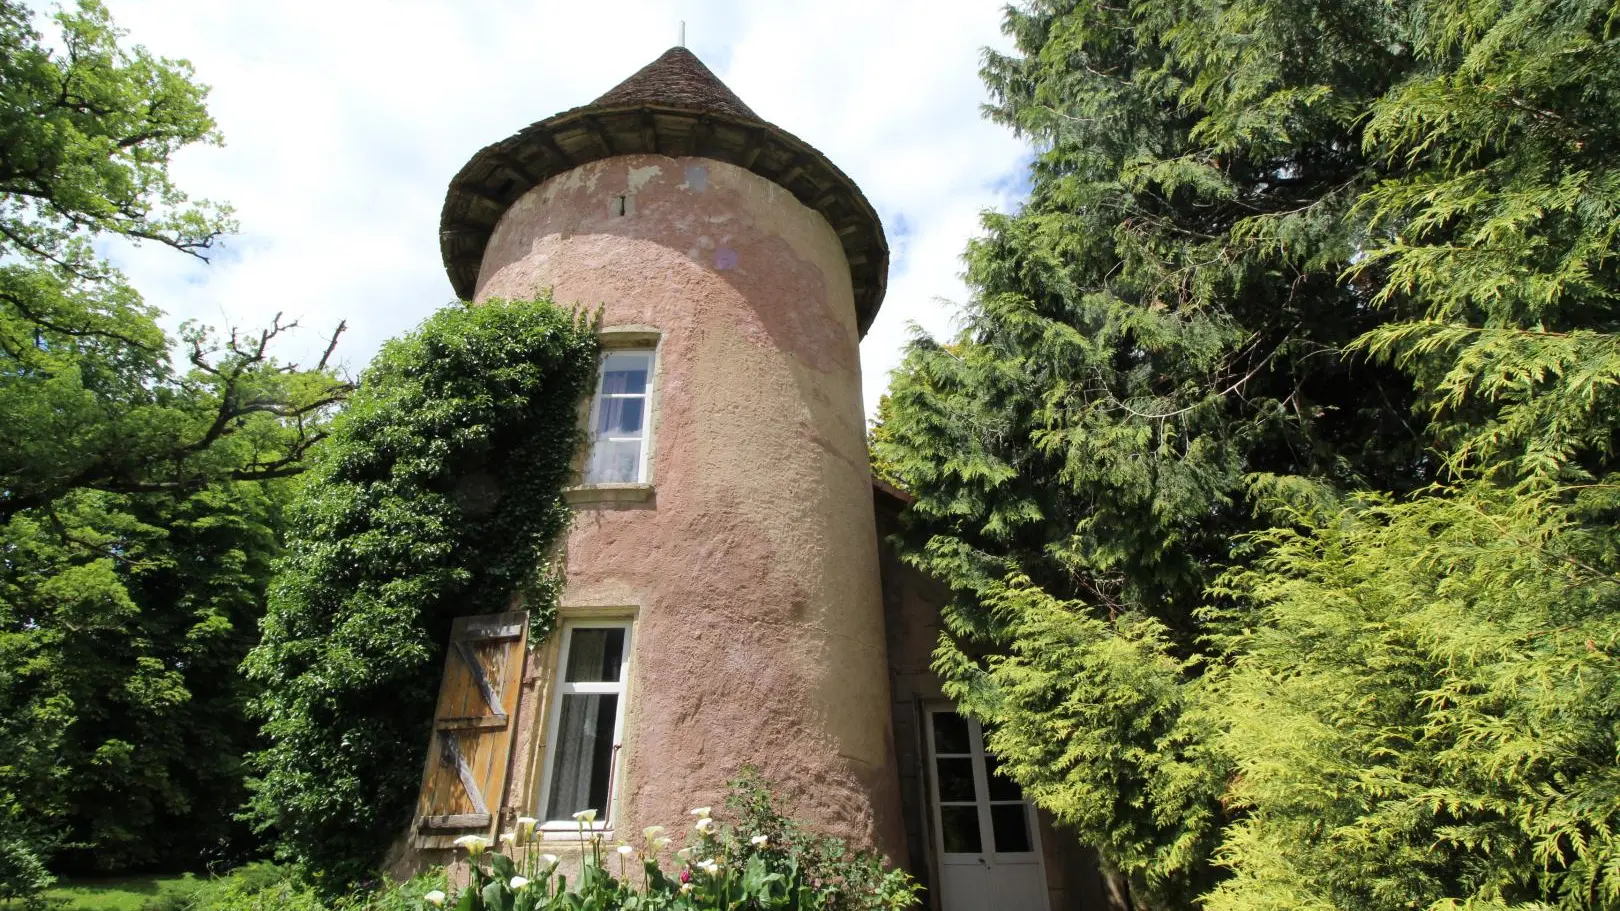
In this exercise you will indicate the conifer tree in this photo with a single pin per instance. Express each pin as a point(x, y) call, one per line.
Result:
point(1422, 706)
point(1160, 325)
point(1282, 263)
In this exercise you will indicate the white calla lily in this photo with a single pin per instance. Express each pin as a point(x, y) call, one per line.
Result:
point(701, 812)
point(585, 816)
point(517, 882)
point(550, 860)
point(759, 841)
point(435, 898)
point(474, 845)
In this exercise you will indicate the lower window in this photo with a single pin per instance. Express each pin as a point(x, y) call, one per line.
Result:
point(586, 722)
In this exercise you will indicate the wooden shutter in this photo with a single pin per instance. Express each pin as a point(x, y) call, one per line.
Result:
point(473, 726)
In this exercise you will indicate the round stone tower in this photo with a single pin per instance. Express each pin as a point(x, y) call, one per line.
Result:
point(723, 564)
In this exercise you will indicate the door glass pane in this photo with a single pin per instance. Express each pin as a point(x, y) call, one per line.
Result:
point(1010, 822)
point(1001, 788)
point(951, 733)
point(956, 779)
point(615, 462)
point(619, 417)
point(583, 755)
point(595, 655)
point(625, 371)
point(960, 828)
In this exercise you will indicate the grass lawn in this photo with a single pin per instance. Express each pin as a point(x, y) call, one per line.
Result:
point(114, 893)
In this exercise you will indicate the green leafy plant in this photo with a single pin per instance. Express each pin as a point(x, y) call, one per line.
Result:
point(256, 886)
point(23, 876)
point(276, 887)
point(438, 494)
point(140, 491)
point(1302, 346)
point(763, 862)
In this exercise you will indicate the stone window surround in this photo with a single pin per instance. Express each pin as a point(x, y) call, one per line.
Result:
point(619, 338)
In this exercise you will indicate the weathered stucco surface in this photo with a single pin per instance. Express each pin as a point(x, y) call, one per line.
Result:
point(759, 635)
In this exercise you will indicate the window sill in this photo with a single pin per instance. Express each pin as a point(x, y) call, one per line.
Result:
point(564, 832)
point(590, 494)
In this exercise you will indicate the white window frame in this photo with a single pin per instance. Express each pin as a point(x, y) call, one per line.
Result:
point(982, 801)
point(565, 828)
point(646, 396)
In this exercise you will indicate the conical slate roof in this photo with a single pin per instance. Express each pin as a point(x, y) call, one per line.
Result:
point(679, 78)
point(673, 106)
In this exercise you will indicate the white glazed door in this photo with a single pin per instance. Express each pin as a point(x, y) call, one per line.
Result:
point(984, 831)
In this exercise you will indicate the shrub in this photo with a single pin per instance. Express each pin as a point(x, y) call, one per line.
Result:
point(275, 887)
point(765, 861)
point(251, 887)
point(438, 494)
point(23, 876)
point(844, 880)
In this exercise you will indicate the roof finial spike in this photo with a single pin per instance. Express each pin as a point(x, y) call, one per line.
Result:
point(682, 41)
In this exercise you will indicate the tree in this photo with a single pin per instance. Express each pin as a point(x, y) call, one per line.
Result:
point(1422, 708)
point(1277, 256)
point(1157, 331)
point(139, 502)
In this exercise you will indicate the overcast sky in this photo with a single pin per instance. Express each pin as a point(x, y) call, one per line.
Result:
point(344, 121)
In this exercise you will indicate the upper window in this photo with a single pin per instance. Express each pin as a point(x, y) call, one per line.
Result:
point(587, 720)
point(619, 419)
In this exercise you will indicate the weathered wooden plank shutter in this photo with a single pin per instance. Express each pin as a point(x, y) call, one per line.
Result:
point(473, 728)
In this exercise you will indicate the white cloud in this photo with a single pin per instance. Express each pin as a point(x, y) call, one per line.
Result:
point(346, 119)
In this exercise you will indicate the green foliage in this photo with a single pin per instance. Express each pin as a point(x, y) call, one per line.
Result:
point(85, 379)
point(250, 887)
point(118, 893)
point(1500, 214)
point(124, 619)
point(137, 513)
point(273, 887)
point(765, 862)
point(1284, 266)
point(439, 494)
point(839, 878)
point(1090, 713)
point(23, 876)
point(1161, 321)
point(1425, 712)
point(877, 436)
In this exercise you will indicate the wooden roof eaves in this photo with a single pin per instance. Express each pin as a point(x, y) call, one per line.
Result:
point(857, 224)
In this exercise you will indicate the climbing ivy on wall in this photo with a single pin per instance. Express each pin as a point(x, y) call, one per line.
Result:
point(438, 495)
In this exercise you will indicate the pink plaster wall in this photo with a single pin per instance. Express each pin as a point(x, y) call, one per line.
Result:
point(754, 567)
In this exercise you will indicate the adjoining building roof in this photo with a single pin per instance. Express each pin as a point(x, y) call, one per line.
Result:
point(673, 106)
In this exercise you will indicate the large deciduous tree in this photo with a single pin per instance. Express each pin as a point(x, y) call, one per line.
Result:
point(1291, 263)
point(139, 500)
